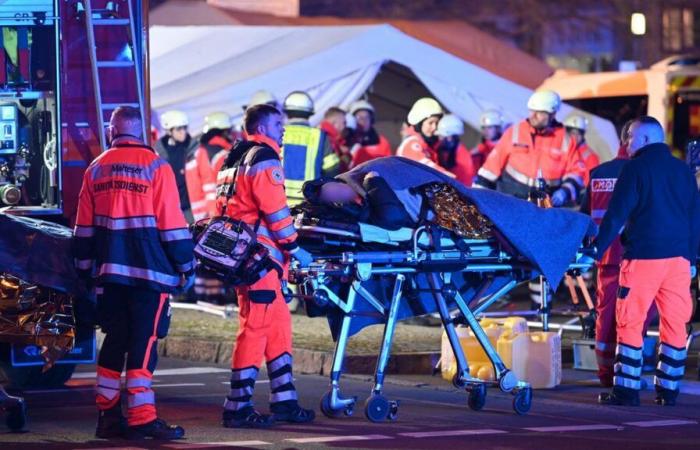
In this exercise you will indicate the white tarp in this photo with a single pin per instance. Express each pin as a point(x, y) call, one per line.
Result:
point(205, 69)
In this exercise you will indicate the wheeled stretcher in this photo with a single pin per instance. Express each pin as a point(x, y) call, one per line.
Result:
point(364, 275)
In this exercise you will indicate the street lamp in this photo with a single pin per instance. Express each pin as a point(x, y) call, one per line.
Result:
point(638, 24)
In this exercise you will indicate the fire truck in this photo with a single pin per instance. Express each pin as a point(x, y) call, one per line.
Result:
point(64, 66)
point(669, 91)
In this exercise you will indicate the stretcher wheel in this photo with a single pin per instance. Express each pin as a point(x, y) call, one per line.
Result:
point(522, 401)
point(333, 413)
point(377, 408)
point(477, 397)
point(16, 416)
point(393, 411)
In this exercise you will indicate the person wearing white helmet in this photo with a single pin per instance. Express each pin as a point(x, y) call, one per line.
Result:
point(366, 143)
point(576, 129)
point(421, 141)
point(334, 125)
point(307, 152)
point(491, 122)
point(451, 153)
point(533, 152)
point(193, 173)
point(262, 97)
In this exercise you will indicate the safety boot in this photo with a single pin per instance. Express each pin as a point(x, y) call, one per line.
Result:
point(292, 413)
point(665, 397)
point(247, 418)
point(615, 399)
point(111, 423)
point(156, 429)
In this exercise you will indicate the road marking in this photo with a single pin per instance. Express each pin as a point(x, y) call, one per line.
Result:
point(167, 372)
point(322, 439)
point(194, 445)
point(660, 423)
point(426, 434)
point(240, 443)
point(575, 428)
point(51, 391)
point(256, 382)
point(179, 385)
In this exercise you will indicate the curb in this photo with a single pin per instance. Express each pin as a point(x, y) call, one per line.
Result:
point(305, 361)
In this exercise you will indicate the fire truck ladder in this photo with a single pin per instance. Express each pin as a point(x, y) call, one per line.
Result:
point(109, 16)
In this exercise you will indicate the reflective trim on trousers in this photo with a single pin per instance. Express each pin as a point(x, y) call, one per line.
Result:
point(629, 352)
point(232, 405)
point(673, 353)
point(107, 392)
point(125, 223)
point(281, 380)
point(113, 383)
point(671, 385)
point(139, 272)
point(627, 383)
point(279, 362)
point(283, 396)
point(84, 232)
point(670, 370)
point(628, 370)
point(138, 382)
point(241, 392)
point(180, 234)
point(244, 374)
point(141, 398)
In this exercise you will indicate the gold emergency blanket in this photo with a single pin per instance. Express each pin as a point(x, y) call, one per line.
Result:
point(35, 315)
point(455, 213)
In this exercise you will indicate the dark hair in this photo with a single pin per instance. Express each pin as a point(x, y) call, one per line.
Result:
point(127, 113)
point(257, 114)
point(312, 189)
point(648, 120)
point(626, 129)
point(333, 111)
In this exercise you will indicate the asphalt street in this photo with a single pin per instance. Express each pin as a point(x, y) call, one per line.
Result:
point(432, 414)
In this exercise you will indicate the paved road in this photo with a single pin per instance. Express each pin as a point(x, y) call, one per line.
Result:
point(432, 415)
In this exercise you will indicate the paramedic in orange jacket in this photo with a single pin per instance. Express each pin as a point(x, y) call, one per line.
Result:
point(265, 321)
point(576, 129)
point(491, 122)
point(421, 141)
point(451, 153)
point(132, 240)
point(537, 147)
point(366, 143)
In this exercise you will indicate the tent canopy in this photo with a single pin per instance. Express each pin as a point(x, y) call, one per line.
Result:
point(209, 68)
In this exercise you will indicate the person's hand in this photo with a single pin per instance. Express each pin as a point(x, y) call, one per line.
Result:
point(304, 257)
point(186, 282)
point(693, 271)
point(559, 197)
point(355, 148)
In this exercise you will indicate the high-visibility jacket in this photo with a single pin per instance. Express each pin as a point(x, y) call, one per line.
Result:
point(369, 152)
point(130, 229)
point(306, 155)
point(259, 197)
point(481, 152)
point(590, 160)
point(463, 170)
point(215, 145)
point(337, 142)
point(524, 154)
point(414, 147)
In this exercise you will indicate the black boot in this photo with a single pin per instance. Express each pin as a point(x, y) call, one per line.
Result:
point(291, 412)
point(16, 418)
point(111, 423)
point(665, 397)
point(156, 429)
point(619, 397)
point(247, 418)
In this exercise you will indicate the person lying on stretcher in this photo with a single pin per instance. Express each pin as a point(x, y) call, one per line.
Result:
point(377, 204)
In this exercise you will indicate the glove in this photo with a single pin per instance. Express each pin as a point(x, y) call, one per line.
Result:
point(186, 282)
point(559, 197)
point(587, 260)
point(304, 257)
point(693, 271)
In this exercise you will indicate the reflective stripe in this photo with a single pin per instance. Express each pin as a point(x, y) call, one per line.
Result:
point(84, 232)
point(330, 161)
point(261, 167)
point(209, 187)
point(669, 370)
point(524, 179)
point(666, 384)
point(628, 370)
point(210, 196)
point(244, 374)
point(285, 232)
point(597, 213)
point(487, 174)
point(138, 272)
point(263, 231)
point(279, 362)
point(109, 382)
point(198, 204)
point(185, 267)
point(565, 144)
point(191, 164)
point(281, 380)
point(283, 396)
point(673, 353)
point(108, 170)
point(175, 235)
point(84, 264)
point(516, 134)
point(153, 167)
point(138, 382)
point(629, 352)
point(142, 398)
point(278, 215)
point(628, 383)
point(106, 392)
point(274, 252)
point(231, 405)
point(125, 223)
point(241, 392)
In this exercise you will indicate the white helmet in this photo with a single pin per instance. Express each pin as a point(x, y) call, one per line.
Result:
point(262, 97)
point(360, 105)
point(544, 100)
point(350, 121)
point(173, 119)
point(491, 118)
point(217, 120)
point(578, 122)
point(450, 125)
point(299, 101)
point(422, 109)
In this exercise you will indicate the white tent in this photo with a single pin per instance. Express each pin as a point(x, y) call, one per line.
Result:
point(201, 69)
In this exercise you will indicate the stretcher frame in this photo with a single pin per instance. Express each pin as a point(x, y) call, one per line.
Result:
point(485, 256)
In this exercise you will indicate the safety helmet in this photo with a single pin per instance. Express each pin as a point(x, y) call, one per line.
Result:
point(422, 109)
point(262, 97)
point(217, 120)
point(360, 105)
point(544, 100)
point(350, 121)
point(173, 119)
point(577, 122)
point(299, 101)
point(450, 125)
point(491, 118)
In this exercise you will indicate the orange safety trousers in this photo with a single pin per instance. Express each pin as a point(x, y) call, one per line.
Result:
point(667, 283)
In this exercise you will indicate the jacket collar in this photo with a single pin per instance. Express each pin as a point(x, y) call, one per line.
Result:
point(219, 141)
point(330, 130)
point(262, 139)
point(657, 147)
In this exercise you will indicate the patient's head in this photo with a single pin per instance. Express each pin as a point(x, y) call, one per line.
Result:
point(328, 190)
